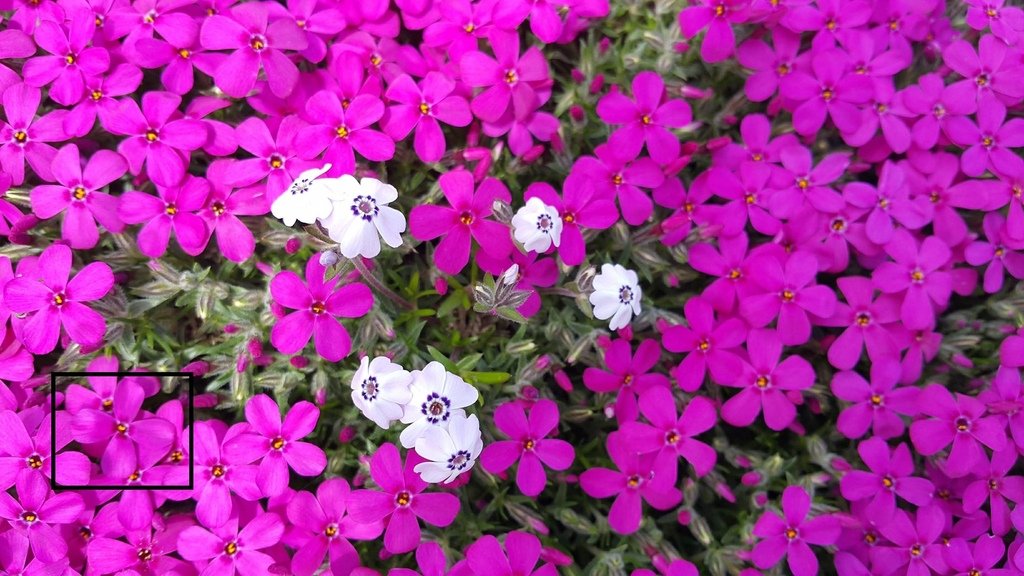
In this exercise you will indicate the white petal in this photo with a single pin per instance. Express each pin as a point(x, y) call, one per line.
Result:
point(435, 444)
point(390, 223)
point(431, 472)
point(605, 304)
point(414, 432)
point(459, 392)
point(621, 318)
point(465, 432)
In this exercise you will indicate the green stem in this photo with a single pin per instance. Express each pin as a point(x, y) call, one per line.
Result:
point(379, 286)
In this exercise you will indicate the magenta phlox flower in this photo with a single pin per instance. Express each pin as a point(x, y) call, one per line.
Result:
point(529, 445)
point(14, 558)
point(749, 194)
point(519, 558)
point(276, 155)
point(57, 302)
point(916, 273)
point(431, 562)
point(916, 548)
point(730, 263)
point(323, 519)
point(1003, 397)
point(710, 345)
point(578, 207)
point(791, 534)
point(961, 422)
point(628, 374)
point(832, 89)
point(676, 568)
point(23, 137)
point(989, 69)
point(510, 79)
point(758, 145)
point(231, 551)
point(70, 58)
point(802, 183)
point(936, 105)
point(877, 404)
point(79, 196)
point(466, 219)
point(865, 318)
point(996, 485)
point(130, 434)
point(424, 107)
point(670, 435)
point(278, 442)
point(718, 16)
point(219, 472)
point(998, 250)
point(223, 207)
point(1005, 22)
point(523, 129)
point(636, 480)
point(614, 173)
point(888, 204)
point(258, 42)
point(646, 118)
point(342, 130)
point(786, 291)
point(178, 55)
point(767, 381)
point(545, 20)
point(155, 138)
point(38, 513)
point(462, 23)
point(146, 551)
point(13, 44)
point(989, 143)
point(173, 210)
point(885, 111)
point(317, 23)
point(22, 451)
point(890, 476)
point(980, 557)
point(692, 209)
point(319, 304)
point(100, 393)
point(401, 501)
point(769, 63)
point(102, 90)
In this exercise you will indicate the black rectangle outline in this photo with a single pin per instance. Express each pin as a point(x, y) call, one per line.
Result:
point(55, 486)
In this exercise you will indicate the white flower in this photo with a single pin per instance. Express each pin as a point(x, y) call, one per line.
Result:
point(307, 199)
point(380, 389)
point(537, 226)
point(511, 276)
point(361, 216)
point(449, 452)
point(437, 397)
point(616, 295)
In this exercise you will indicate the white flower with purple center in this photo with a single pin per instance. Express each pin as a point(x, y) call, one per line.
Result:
point(450, 452)
point(361, 217)
point(537, 226)
point(616, 295)
point(438, 396)
point(307, 199)
point(380, 389)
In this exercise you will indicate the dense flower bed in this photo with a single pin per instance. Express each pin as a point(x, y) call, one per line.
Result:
point(511, 287)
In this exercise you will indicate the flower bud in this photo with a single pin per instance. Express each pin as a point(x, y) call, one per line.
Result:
point(299, 362)
point(292, 245)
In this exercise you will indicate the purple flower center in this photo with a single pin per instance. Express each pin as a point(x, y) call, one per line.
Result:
point(365, 207)
point(625, 294)
point(369, 386)
point(459, 460)
point(544, 223)
point(993, 485)
point(962, 424)
point(403, 498)
point(436, 408)
point(257, 42)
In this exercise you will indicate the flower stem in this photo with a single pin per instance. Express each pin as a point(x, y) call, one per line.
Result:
point(379, 286)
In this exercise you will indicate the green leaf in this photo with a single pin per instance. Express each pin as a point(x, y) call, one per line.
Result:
point(469, 362)
point(437, 355)
point(486, 378)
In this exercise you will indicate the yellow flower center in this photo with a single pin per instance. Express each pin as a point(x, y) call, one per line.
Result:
point(29, 517)
point(257, 43)
point(79, 193)
point(151, 135)
point(318, 308)
point(217, 471)
point(761, 382)
point(331, 531)
point(276, 162)
point(803, 183)
point(469, 28)
point(122, 428)
point(231, 549)
point(735, 274)
point(96, 95)
point(791, 533)
point(145, 554)
point(916, 550)
point(569, 218)
point(171, 210)
point(704, 345)
point(277, 443)
point(645, 119)
point(876, 399)
point(424, 108)
point(69, 59)
point(134, 476)
point(783, 69)
point(403, 498)
point(59, 299)
point(827, 94)
point(376, 60)
point(719, 10)
point(184, 53)
point(831, 24)
point(633, 481)
point(511, 77)
point(887, 482)
point(917, 276)
point(342, 132)
point(788, 295)
point(529, 445)
point(35, 462)
point(466, 218)
point(177, 456)
point(20, 136)
point(217, 208)
point(672, 437)
point(108, 404)
point(85, 533)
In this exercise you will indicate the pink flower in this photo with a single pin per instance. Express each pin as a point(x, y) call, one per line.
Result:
point(787, 291)
point(917, 275)
point(147, 551)
point(341, 128)
point(327, 528)
point(987, 70)
point(56, 302)
point(277, 442)
point(628, 374)
point(256, 44)
point(995, 484)
point(276, 155)
point(155, 138)
point(636, 478)
point(229, 551)
point(431, 562)
point(220, 473)
point(1000, 252)
point(461, 26)
point(70, 60)
point(917, 549)
point(510, 80)
point(646, 120)
point(671, 437)
point(960, 422)
point(890, 476)
point(466, 219)
point(174, 209)
point(318, 303)
point(877, 405)
point(178, 55)
point(579, 208)
point(24, 452)
point(709, 345)
point(990, 143)
point(832, 90)
point(486, 558)
point(888, 204)
point(38, 512)
point(122, 79)
point(790, 534)
point(401, 501)
point(718, 17)
point(423, 107)
point(79, 197)
point(614, 173)
point(767, 383)
point(865, 318)
point(223, 207)
point(23, 137)
point(529, 445)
